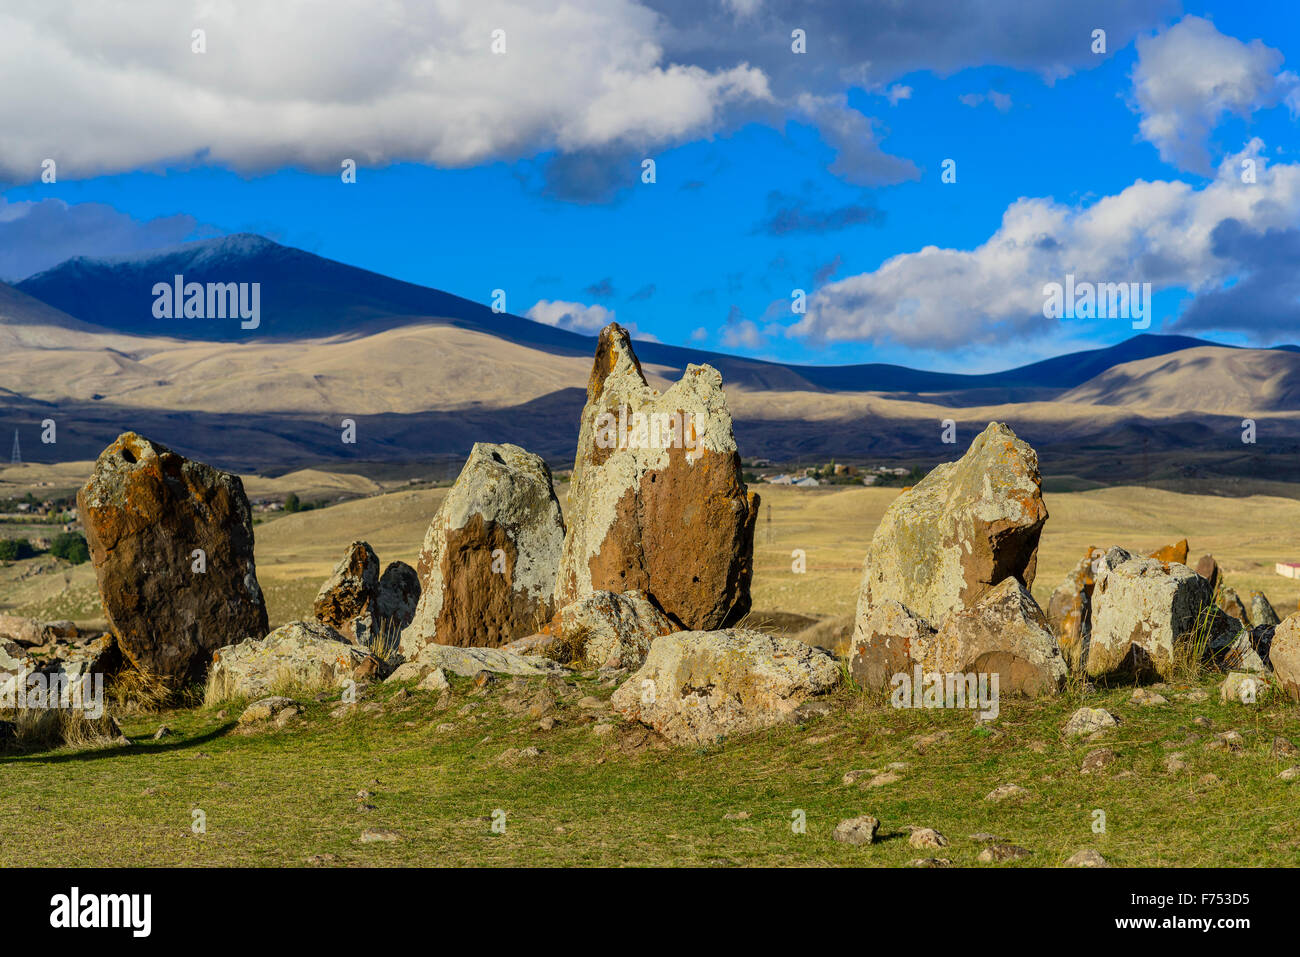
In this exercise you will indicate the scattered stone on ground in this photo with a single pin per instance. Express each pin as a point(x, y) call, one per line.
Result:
point(857, 830)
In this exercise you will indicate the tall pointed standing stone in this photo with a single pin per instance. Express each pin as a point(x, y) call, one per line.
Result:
point(658, 500)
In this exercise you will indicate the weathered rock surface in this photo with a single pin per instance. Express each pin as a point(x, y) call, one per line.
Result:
point(1176, 553)
point(1208, 569)
point(30, 631)
point(1284, 654)
point(487, 568)
point(1234, 646)
point(606, 630)
point(857, 830)
point(658, 500)
point(468, 662)
point(1261, 611)
point(147, 510)
point(1232, 604)
point(699, 686)
point(887, 639)
point(302, 654)
point(1004, 633)
point(397, 597)
point(1140, 608)
point(1244, 688)
point(967, 526)
point(1087, 721)
point(349, 593)
point(1069, 610)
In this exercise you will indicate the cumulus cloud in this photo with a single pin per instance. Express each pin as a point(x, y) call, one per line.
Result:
point(38, 235)
point(1159, 232)
point(999, 101)
point(311, 83)
point(1189, 77)
point(589, 84)
point(1264, 301)
point(574, 316)
point(741, 333)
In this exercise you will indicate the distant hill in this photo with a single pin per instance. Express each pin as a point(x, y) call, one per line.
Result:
point(305, 296)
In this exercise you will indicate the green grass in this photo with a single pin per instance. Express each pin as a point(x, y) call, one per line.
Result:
point(278, 797)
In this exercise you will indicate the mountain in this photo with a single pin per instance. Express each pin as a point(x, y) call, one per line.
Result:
point(304, 296)
point(424, 374)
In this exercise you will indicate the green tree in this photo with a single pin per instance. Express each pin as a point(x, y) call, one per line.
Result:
point(71, 547)
point(12, 549)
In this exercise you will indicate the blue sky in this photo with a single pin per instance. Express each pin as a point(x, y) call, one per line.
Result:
point(755, 201)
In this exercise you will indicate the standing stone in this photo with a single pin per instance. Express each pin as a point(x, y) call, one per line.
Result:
point(1208, 569)
point(967, 526)
point(659, 504)
point(1232, 604)
point(1261, 611)
point(349, 593)
point(1140, 609)
point(487, 567)
point(147, 511)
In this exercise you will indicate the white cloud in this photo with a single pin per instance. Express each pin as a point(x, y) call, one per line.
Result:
point(898, 92)
point(999, 101)
point(1188, 77)
point(117, 87)
point(573, 316)
point(1157, 232)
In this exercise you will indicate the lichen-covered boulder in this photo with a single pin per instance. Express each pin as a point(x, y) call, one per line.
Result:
point(467, 662)
point(967, 526)
point(607, 630)
point(658, 500)
point(1284, 655)
point(699, 686)
point(1003, 633)
point(887, 640)
point(306, 655)
point(487, 568)
point(349, 593)
point(172, 544)
point(1141, 608)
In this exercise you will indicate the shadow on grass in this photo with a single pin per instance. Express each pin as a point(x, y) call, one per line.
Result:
point(95, 754)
